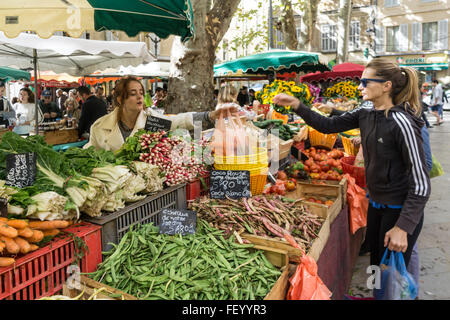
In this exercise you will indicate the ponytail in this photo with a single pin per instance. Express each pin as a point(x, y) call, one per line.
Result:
point(410, 93)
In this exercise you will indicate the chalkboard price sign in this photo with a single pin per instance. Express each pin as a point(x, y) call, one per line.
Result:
point(155, 124)
point(228, 183)
point(177, 222)
point(21, 169)
point(3, 207)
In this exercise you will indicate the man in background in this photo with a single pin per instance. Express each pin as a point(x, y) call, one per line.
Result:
point(99, 93)
point(437, 102)
point(6, 109)
point(92, 109)
point(48, 107)
point(60, 101)
point(243, 97)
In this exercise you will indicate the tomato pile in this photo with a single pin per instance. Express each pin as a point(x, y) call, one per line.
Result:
point(323, 164)
point(328, 203)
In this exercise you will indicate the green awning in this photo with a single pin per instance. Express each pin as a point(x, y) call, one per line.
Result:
point(164, 18)
point(268, 62)
point(427, 66)
point(7, 74)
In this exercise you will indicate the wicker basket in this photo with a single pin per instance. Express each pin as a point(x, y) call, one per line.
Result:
point(318, 139)
point(349, 147)
point(356, 172)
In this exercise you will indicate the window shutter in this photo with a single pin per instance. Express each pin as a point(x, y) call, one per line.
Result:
point(416, 36)
point(443, 34)
point(403, 37)
point(324, 34)
point(379, 39)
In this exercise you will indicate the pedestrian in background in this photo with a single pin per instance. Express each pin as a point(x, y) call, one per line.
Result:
point(437, 102)
point(92, 109)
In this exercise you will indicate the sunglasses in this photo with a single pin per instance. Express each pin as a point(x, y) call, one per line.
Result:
point(365, 80)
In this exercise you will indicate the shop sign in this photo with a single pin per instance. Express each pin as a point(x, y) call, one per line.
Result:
point(230, 183)
point(177, 222)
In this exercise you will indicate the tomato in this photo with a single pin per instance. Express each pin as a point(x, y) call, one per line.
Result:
point(323, 176)
point(295, 173)
point(268, 190)
point(312, 149)
point(306, 168)
point(311, 200)
point(328, 203)
point(314, 175)
point(282, 175)
point(324, 168)
point(309, 162)
point(319, 201)
point(290, 185)
point(317, 157)
point(330, 162)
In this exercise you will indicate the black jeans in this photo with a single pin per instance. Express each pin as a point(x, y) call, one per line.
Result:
point(424, 117)
point(380, 221)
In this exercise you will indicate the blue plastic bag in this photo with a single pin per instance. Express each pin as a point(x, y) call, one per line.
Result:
point(396, 282)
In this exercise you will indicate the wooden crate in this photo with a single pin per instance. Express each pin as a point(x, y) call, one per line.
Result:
point(90, 286)
point(61, 136)
point(343, 185)
point(284, 147)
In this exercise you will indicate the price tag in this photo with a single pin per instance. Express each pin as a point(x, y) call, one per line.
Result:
point(228, 183)
point(177, 222)
point(20, 169)
point(155, 124)
point(3, 207)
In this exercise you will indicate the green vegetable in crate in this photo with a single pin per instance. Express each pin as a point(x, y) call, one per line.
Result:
point(203, 266)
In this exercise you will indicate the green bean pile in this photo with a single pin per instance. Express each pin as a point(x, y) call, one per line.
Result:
point(203, 266)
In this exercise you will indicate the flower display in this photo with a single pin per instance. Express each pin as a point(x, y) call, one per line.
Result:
point(300, 91)
point(347, 89)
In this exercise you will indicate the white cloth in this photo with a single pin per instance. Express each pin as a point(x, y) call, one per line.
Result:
point(105, 132)
point(437, 94)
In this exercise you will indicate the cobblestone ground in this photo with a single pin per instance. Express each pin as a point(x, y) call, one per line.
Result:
point(434, 240)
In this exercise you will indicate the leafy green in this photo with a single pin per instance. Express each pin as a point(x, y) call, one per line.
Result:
point(85, 160)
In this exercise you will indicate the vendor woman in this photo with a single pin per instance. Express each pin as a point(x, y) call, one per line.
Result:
point(110, 131)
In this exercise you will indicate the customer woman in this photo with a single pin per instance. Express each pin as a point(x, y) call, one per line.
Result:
point(25, 112)
point(110, 131)
point(396, 175)
point(72, 109)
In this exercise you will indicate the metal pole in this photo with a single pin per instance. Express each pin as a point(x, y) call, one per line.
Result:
point(36, 106)
point(270, 25)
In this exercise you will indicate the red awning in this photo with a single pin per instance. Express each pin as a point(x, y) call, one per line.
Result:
point(345, 70)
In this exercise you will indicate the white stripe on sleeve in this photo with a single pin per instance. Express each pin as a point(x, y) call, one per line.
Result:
point(420, 180)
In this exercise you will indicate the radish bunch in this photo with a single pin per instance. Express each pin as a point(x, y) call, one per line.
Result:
point(174, 156)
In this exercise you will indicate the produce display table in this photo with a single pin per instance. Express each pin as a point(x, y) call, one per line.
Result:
point(61, 136)
point(338, 257)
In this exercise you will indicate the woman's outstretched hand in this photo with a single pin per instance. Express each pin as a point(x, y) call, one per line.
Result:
point(214, 115)
point(283, 99)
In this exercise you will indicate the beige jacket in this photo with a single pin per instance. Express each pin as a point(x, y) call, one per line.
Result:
point(105, 133)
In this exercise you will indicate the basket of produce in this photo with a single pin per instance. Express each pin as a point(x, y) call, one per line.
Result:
point(258, 178)
point(201, 266)
point(322, 140)
point(357, 172)
point(349, 147)
point(285, 132)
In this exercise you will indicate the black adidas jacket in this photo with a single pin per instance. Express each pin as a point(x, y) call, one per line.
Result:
point(394, 159)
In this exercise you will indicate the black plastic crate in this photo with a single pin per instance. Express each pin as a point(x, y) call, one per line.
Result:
point(116, 224)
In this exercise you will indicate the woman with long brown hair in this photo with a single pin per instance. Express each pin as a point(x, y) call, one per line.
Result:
point(129, 115)
point(396, 175)
point(25, 112)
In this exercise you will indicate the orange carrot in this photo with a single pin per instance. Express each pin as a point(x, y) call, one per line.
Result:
point(3, 219)
point(6, 262)
point(25, 232)
point(7, 231)
point(17, 223)
point(46, 225)
point(2, 246)
point(33, 247)
point(36, 237)
point(50, 232)
point(23, 244)
point(11, 245)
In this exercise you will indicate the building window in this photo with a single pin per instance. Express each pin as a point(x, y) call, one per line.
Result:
point(298, 31)
point(391, 3)
point(397, 38)
point(429, 0)
point(328, 38)
point(85, 35)
point(279, 40)
point(354, 36)
point(430, 36)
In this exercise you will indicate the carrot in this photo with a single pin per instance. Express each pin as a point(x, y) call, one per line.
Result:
point(7, 231)
point(23, 244)
point(3, 219)
point(25, 232)
point(46, 225)
point(17, 223)
point(6, 262)
point(11, 245)
point(2, 246)
point(50, 232)
point(36, 237)
point(33, 247)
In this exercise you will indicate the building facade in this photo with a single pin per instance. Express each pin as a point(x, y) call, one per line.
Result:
point(415, 34)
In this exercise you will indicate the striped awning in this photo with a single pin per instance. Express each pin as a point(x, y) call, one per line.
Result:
point(427, 66)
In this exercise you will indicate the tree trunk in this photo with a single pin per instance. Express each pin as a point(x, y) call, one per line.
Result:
point(312, 6)
point(288, 26)
point(191, 79)
point(343, 30)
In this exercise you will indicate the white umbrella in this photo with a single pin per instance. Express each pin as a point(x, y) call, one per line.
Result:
point(70, 55)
